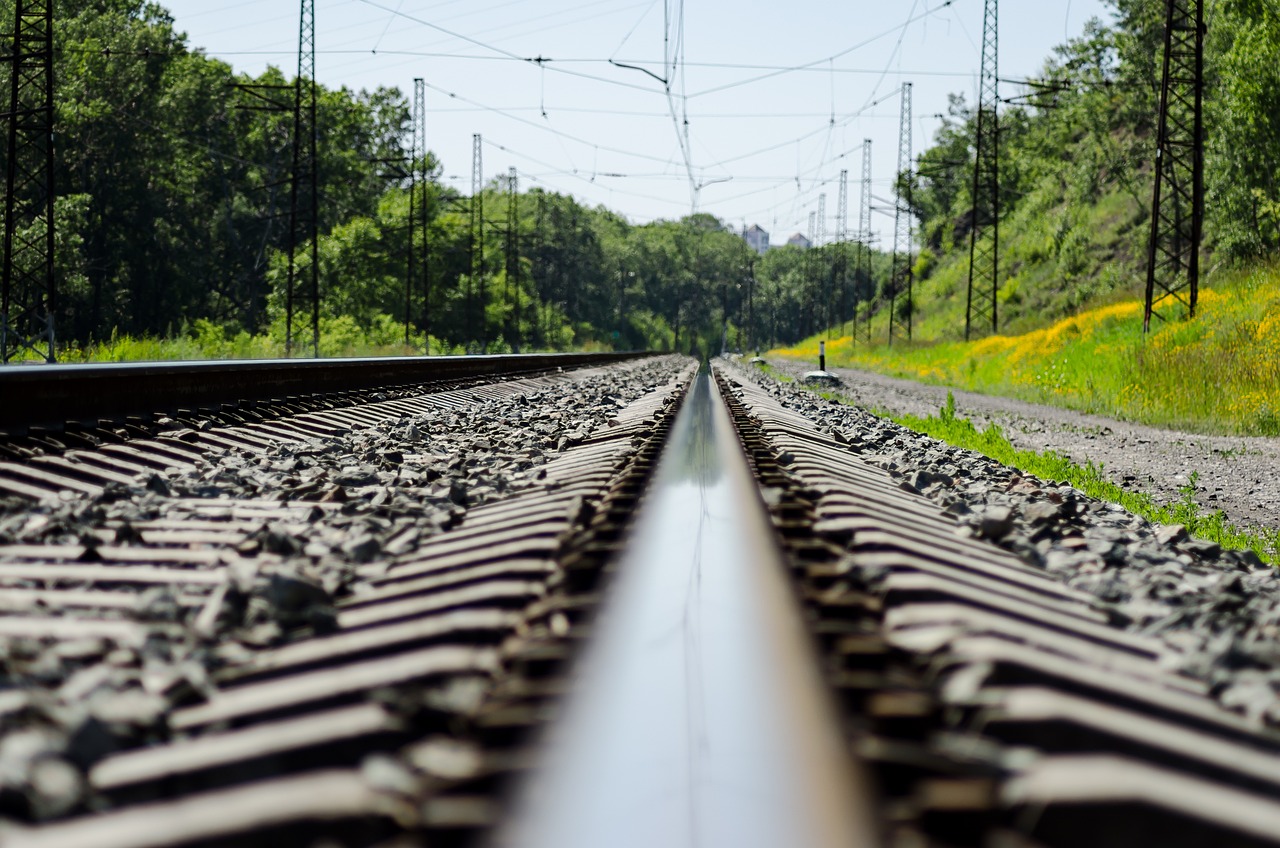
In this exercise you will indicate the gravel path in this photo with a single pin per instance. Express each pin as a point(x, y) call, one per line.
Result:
point(1238, 475)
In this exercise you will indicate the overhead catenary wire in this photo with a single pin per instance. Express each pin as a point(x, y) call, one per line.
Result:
point(547, 60)
point(573, 174)
point(673, 68)
point(546, 128)
point(532, 60)
point(819, 62)
point(815, 150)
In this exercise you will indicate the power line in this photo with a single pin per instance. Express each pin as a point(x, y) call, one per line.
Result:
point(546, 128)
point(842, 122)
point(817, 62)
point(538, 60)
point(578, 176)
point(532, 60)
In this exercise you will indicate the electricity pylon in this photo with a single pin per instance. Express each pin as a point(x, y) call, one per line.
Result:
point(984, 234)
point(28, 294)
point(1177, 202)
point(900, 281)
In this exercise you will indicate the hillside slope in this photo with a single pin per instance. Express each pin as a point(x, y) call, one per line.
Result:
point(1218, 373)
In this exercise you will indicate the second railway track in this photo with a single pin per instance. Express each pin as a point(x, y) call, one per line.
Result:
point(361, 624)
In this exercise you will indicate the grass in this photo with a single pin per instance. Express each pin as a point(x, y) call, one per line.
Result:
point(204, 340)
point(1216, 373)
point(1058, 253)
point(955, 430)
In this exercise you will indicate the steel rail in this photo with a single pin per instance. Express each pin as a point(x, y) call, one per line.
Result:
point(53, 395)
point(698, 716)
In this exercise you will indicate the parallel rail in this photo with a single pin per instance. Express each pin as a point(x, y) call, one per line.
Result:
point(49, 396)
point(294, 742)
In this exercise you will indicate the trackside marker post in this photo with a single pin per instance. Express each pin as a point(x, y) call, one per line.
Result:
point(822, 376)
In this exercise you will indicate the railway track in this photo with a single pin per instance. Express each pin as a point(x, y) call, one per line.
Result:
point(563, 604)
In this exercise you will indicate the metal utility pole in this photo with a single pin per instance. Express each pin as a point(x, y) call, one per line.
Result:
point(824, 288)
point(273, 98)
point(900, 281)
point(539, 271)
point(984, 253)
point(808, 272)
point(412, 228)
point(420, 162)
point(1177, 201)
point(842, 236)
point(476, 270)
point(28, 294)
point(863, 270)
point(513, 259)
point(304, 190)
point(821, 233)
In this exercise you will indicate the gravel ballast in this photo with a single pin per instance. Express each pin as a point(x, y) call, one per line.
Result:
point(1237, 474)
point(342, 504)
point(1218, 611)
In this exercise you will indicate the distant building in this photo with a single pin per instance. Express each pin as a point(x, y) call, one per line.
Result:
point(756, 238)
point(799, 241)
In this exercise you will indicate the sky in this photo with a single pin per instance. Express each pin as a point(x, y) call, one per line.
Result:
point(777, 98)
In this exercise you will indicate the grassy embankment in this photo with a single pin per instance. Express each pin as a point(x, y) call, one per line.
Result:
point(1218, 373)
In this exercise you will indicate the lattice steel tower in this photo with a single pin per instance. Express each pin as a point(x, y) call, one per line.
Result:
point(411, 230)
point(984, 235)
point(28, 294)
point(1177, 202)
point(513, 259)
point(810, 254)
point(820, 234)
point(417, 165)
point(900, 281)
point(304, 189)
point(862, 271)
point(476, 271)
point(842, 237)
point(824, 279)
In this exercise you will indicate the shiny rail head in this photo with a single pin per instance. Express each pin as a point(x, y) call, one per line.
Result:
point(698, 715)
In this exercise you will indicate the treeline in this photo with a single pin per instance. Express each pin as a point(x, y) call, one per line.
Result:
point(173, 201)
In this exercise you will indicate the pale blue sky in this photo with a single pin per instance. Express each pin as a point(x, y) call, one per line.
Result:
point(764, 150)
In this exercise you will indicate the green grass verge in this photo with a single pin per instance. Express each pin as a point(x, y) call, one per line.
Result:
point(204, 340)
point(955, 430)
